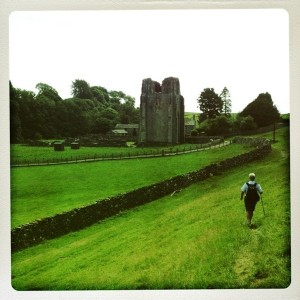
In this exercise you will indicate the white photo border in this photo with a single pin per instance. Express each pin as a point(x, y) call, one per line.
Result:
point(8, 6)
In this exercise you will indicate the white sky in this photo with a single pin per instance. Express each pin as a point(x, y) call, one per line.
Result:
point(245, 50)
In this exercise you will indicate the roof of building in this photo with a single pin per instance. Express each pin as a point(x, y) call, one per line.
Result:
point(122, 126)
point(120, 131)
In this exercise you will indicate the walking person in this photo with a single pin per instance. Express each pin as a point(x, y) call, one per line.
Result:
point(252, 191)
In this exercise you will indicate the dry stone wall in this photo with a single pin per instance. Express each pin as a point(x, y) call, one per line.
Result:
point(34, 233)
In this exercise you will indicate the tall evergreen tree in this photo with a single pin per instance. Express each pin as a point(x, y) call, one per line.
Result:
point(225, 96)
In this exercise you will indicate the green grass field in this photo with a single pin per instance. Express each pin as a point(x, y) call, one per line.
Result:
point(194, 240)
point(24, 154)
point(38, 192)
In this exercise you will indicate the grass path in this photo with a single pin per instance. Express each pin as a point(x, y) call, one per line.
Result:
point(196, 239)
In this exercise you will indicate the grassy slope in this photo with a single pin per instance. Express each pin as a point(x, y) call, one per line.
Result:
point(44, 191)
point(196, 239)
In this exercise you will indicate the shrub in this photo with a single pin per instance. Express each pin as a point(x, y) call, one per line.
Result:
point(245, 123)
point(219, 125)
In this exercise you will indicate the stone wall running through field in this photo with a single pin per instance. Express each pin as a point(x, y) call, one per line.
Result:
point(51, 227)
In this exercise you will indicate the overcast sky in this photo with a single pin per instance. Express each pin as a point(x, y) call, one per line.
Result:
point(244, 50)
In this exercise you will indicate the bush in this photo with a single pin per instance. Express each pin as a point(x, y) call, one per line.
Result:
point(219, 125)
point(245, 123)
point(194, 132)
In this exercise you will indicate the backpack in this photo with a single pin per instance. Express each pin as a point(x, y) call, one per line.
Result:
point(252, 194)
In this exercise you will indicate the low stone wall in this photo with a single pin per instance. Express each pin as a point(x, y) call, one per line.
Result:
point(203, 139)
point(31, 234)
point(253, 141)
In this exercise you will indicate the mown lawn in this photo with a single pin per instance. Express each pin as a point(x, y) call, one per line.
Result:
point(196, 239)
point(24, 154)
point(37, 192)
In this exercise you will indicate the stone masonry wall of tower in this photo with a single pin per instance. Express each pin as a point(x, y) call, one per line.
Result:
point(161, 112)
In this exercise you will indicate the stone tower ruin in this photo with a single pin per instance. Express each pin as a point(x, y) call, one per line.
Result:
point(161, 112)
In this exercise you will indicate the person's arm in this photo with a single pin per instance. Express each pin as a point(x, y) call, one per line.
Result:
point(242, 195)
point(243, 190)
point(258, 187)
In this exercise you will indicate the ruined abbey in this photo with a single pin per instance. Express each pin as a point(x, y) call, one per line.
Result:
point(161, 112)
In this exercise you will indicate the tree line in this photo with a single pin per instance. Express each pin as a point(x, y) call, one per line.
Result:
point(216, 117)
point(91, 110)
point(95, 110)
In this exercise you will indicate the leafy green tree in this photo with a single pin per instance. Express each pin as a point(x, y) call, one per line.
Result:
point(115, 99)
point(244, 123)
point(102, 125)
point(104, 121)
point(100, 94)
point(128, 112)
point(44, 111)
point(225, 96)
point(81, 89)
point(77, 115)
point(110, 114)
point(210, 104)
point(125, 105)
point(22, 114)
point(15, 122)
point(217, 126)
point(47, 115)
point(262, 110)
point(47, 91)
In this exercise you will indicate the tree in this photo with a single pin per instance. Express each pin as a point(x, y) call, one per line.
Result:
point(77, 115)
point(44, 110)
point(225, 96)
point(81, 89)
point(218, 125)
point(100, 94)
point(47, 91)
point(47, 115)
point(22, 114)
point(210, 103)
point(244, 123)
point(15, 122)
point(262, 110)
point(45, 106)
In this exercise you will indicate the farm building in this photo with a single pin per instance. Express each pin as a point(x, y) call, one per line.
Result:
point(119, 132)
point(131, 129)
point(189, 125)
